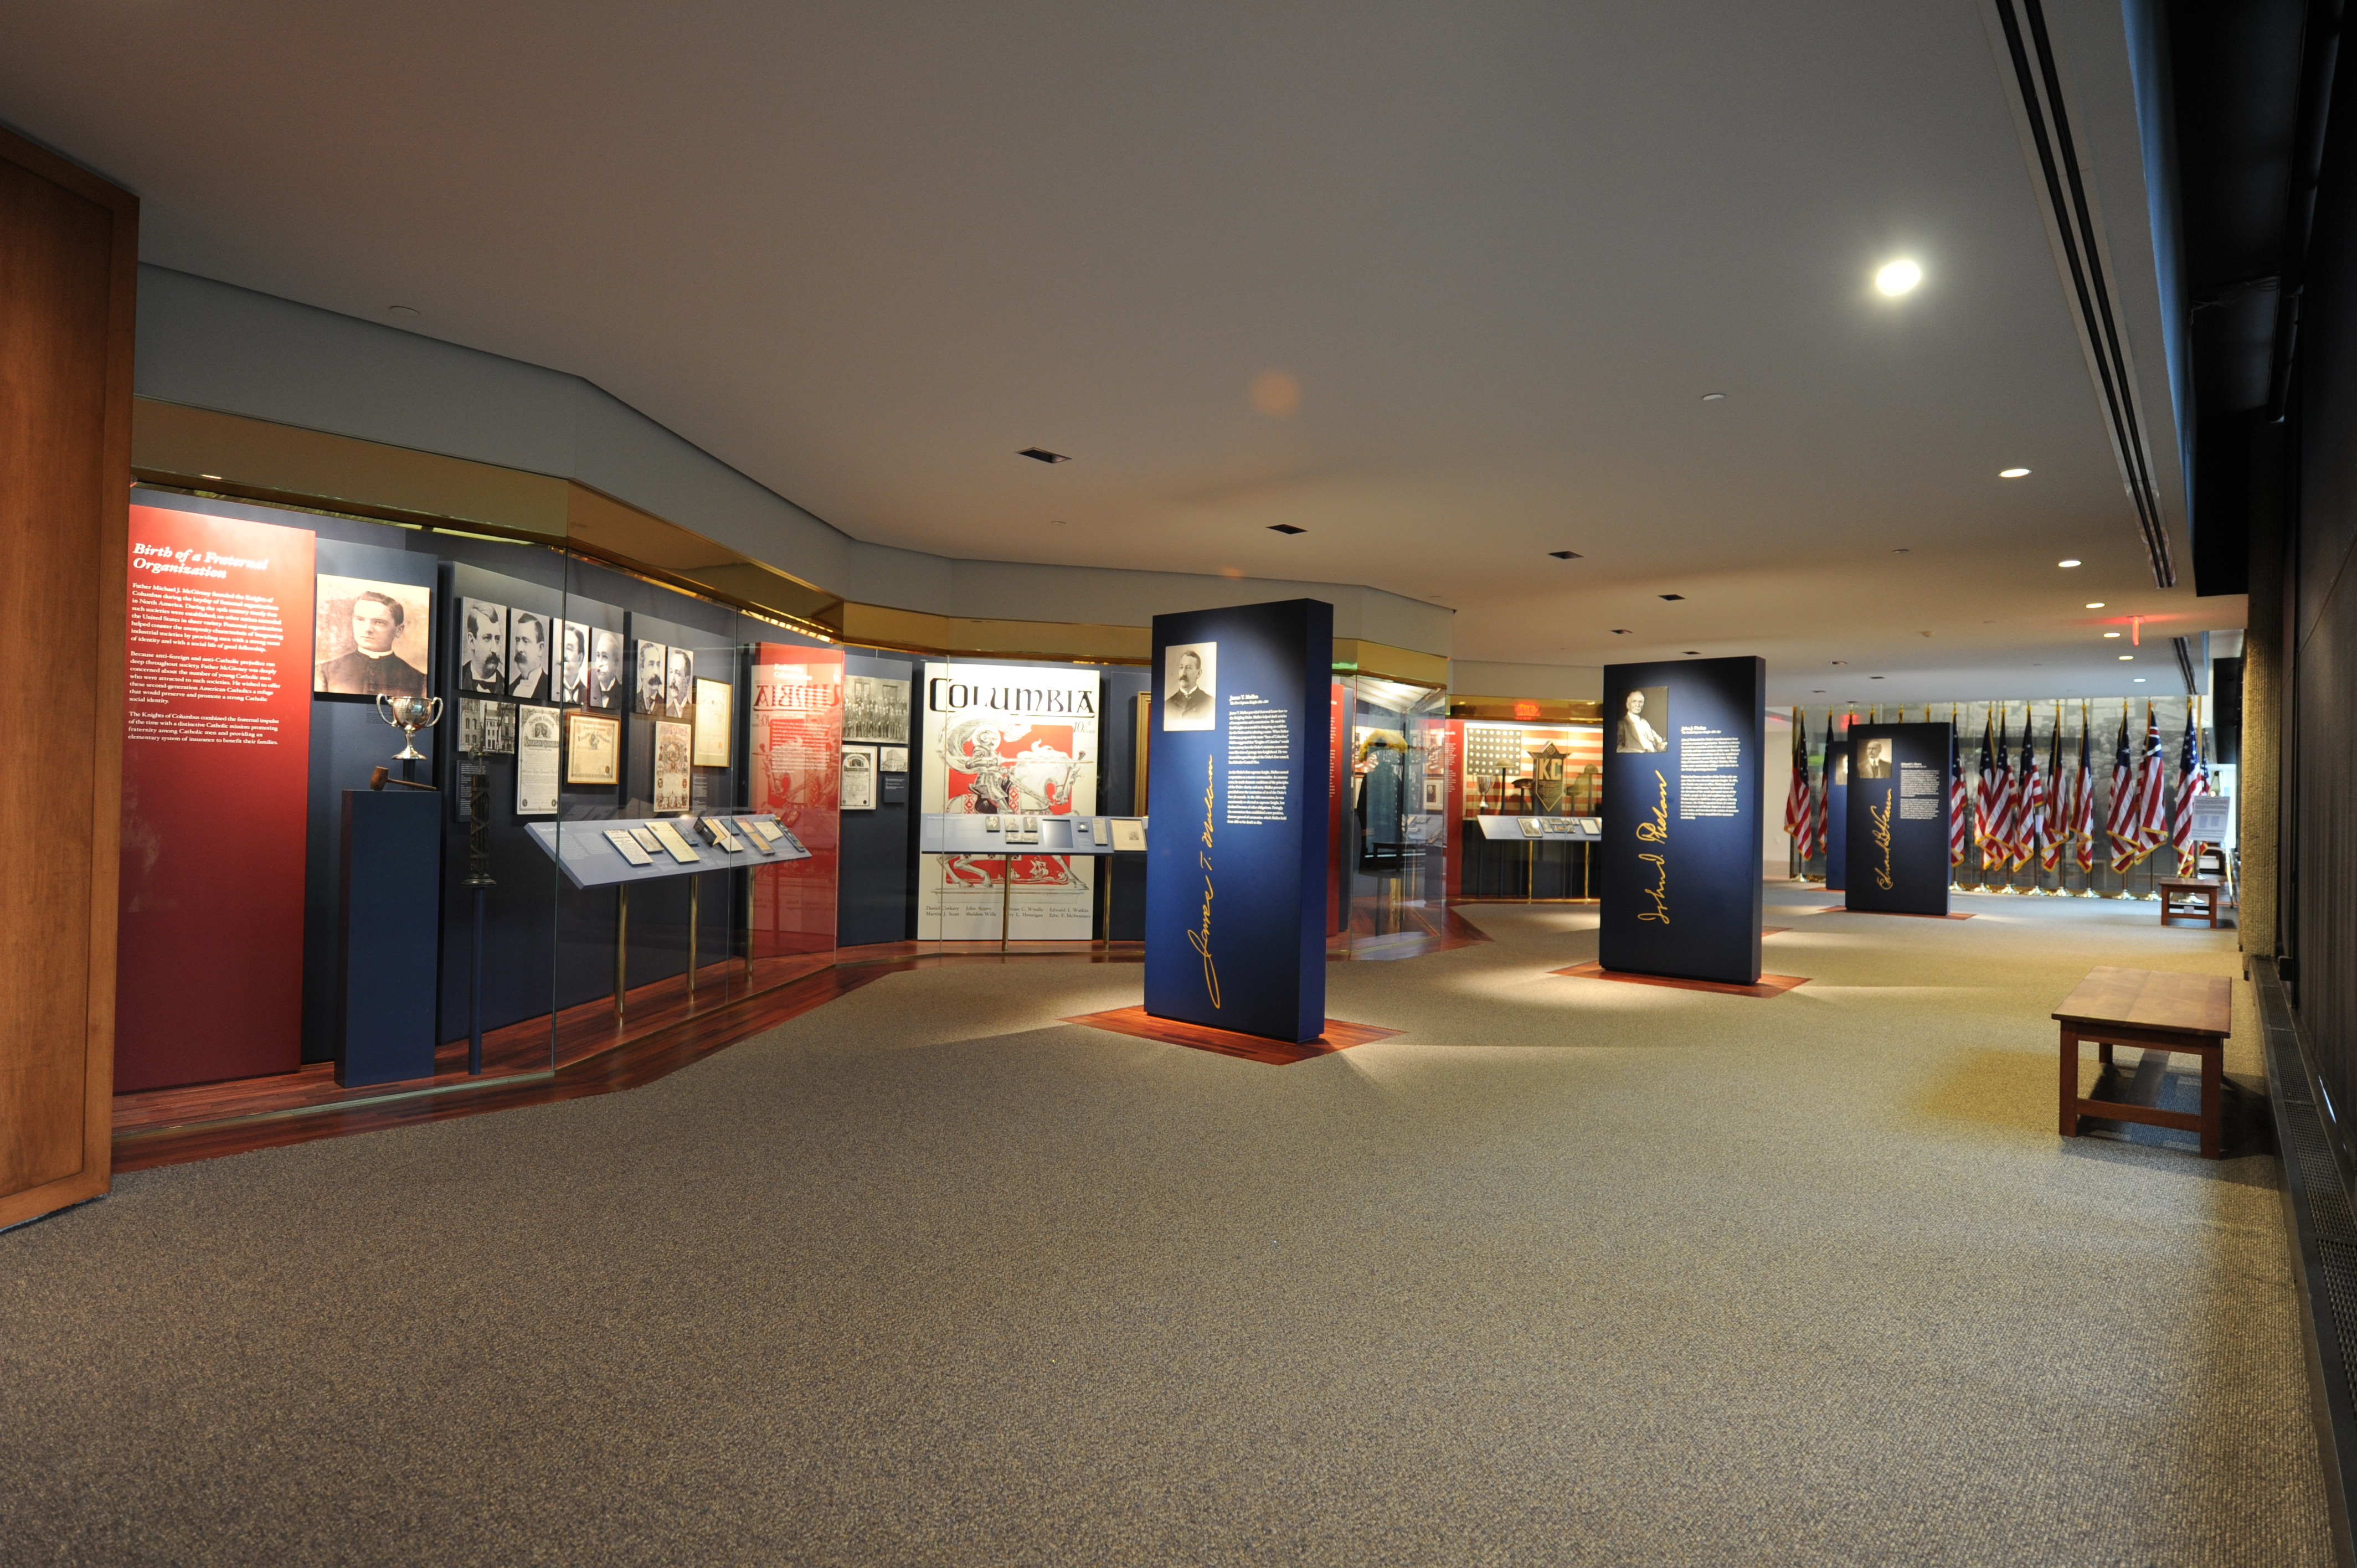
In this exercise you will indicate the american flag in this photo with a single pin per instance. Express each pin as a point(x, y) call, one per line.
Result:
point(2056, 829)
point(1960, 828)
point(2082, 802)
point(2152, 791)
point(2120, 822)
point(1826, 802)
point(1985, 808)
point(1797, 814)
point(2000, 849)
point(2029, 818)
point(2192, 780)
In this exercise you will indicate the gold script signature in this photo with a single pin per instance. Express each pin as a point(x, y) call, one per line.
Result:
point(1200, 936)
point(1882, 840)
point(1656, 830)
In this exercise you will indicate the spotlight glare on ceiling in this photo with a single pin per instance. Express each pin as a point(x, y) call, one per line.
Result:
point(2071, 563)
point(2111, 634)
point(2013, 473)
point(1896, 278)
point(2094, 604)
point(2125, 658)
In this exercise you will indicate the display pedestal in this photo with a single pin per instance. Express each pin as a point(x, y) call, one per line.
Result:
point(389, 934)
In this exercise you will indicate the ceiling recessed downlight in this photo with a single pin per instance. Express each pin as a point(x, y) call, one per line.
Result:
point(2126, 658)
point(2094, 604)
point(1714, 397)
point(1897, 277)
point(1673, 596)
point(1621, 631)
point(2071, 563)
point(1565, 554)
point(2013, 473)
point(1285, 528)
point(2138, 679)
point(1042, 455)
point(2111, 634)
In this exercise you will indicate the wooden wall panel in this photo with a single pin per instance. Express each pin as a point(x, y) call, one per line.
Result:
point(68, 272)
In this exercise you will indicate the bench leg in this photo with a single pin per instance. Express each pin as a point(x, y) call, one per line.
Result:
point(2104, 1053)
point(2214, 1105)
point(2070, 1082)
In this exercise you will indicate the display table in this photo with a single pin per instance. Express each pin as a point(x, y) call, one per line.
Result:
point(590, 858)
point(1532, 831)
point(2191, 898)
point(969, 833)
point(2157, 1011)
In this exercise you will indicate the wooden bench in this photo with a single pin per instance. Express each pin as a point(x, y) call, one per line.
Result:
point(2191, 1013)
point(2189, 898)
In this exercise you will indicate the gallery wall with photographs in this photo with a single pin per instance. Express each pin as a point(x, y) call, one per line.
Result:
point(282, 660)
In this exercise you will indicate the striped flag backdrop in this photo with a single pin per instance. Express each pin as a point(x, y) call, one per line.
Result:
point(1960, 828)
point(2192, 780)
point(2119, 823)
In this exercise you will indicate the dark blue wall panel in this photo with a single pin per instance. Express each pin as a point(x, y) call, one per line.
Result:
point(1898, 819)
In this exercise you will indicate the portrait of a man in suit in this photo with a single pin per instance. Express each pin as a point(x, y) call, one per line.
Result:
point(573, 664)
point(374, 623)
point(528, 657)
point(1189, 687)
point(484, 630)
point(1644, 718)
point(604, 669)
point(650, 699)
point(679, 688)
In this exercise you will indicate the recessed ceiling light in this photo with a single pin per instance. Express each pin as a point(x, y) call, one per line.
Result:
point(2071, 563)
point(2137, 679)
point(2111, 634)
point(1042, 455)
point(1902, 550)
point(2094, 604)
point(1565, 554)
point(1839, 663)
point(1714, 397)
point(1818, 692)
point(1063, 522)
point(1690, 653)
point(1897, 277)
point(2013, 473)
point(1285, 528)
point(1674, 596)
point(2124, 658)
point(208, 476)
point(1621, 631)
point(402, 312)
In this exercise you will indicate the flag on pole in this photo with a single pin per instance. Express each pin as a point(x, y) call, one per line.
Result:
point(2029, 819)
point(2008, 805)
point(1824, 801)
point(2055, 825)
point(2152, 789)
point(2082, 811)
point(1796, 799)
point(1984, 804)
point(1960, 828)
point(2192, 780)
point(2119, 822)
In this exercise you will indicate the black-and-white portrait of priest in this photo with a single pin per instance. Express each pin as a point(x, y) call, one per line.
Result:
point(1190, 688)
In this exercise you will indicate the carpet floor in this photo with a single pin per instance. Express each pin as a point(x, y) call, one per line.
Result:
point(1570, 1271)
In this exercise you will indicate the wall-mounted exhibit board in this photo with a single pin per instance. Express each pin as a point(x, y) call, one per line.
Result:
point(1837, 814)
point(1682, 836)
point(1236, 867)
point(216, 760)
point(1004, 738)
point(1897, 819)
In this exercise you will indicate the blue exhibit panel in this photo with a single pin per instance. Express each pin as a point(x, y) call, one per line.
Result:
point(389, 935)
point(1837, 814)
point(1683, 836)
point(1236, 880)
point(1898, 819)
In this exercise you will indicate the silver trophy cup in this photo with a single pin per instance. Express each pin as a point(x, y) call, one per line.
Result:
point(409, 714)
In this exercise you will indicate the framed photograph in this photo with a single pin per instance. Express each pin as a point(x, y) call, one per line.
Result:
point(1645, 721)
point(1874, 758)
point(858, 779)
point(482, 647)
point(713, 716)
point(593, 750)
point(891, 759)
point(529, 640)
point(536, 751)
point(499, 728)
point(572, 663)
point(1190, 688)
point(606, 669)
point(1435, 794)
point(1129, 835)
point(875, 709)
point(678, 683)
point(470, 725)
point(672, 743)
point(647, 690)
point(373, 638)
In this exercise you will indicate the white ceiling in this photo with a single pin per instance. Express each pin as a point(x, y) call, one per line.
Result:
point(864, 252)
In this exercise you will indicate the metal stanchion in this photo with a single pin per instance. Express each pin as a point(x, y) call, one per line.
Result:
point(621, 947)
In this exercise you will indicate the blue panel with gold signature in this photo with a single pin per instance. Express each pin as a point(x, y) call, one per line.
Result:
point(1681, 853)
point(1235, 864)
point(1898, 827)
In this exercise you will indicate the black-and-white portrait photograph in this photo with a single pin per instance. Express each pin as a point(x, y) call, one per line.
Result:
point(604, 669)
point(1191, 674)
point(1840, 770)
point(1645, 721)
point(572, 663)
point(373, 638)
point(875, 709)
point(482, 647)
point(528, 644)
point(648, 691)
point(679, 683)
point(1874, 758)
